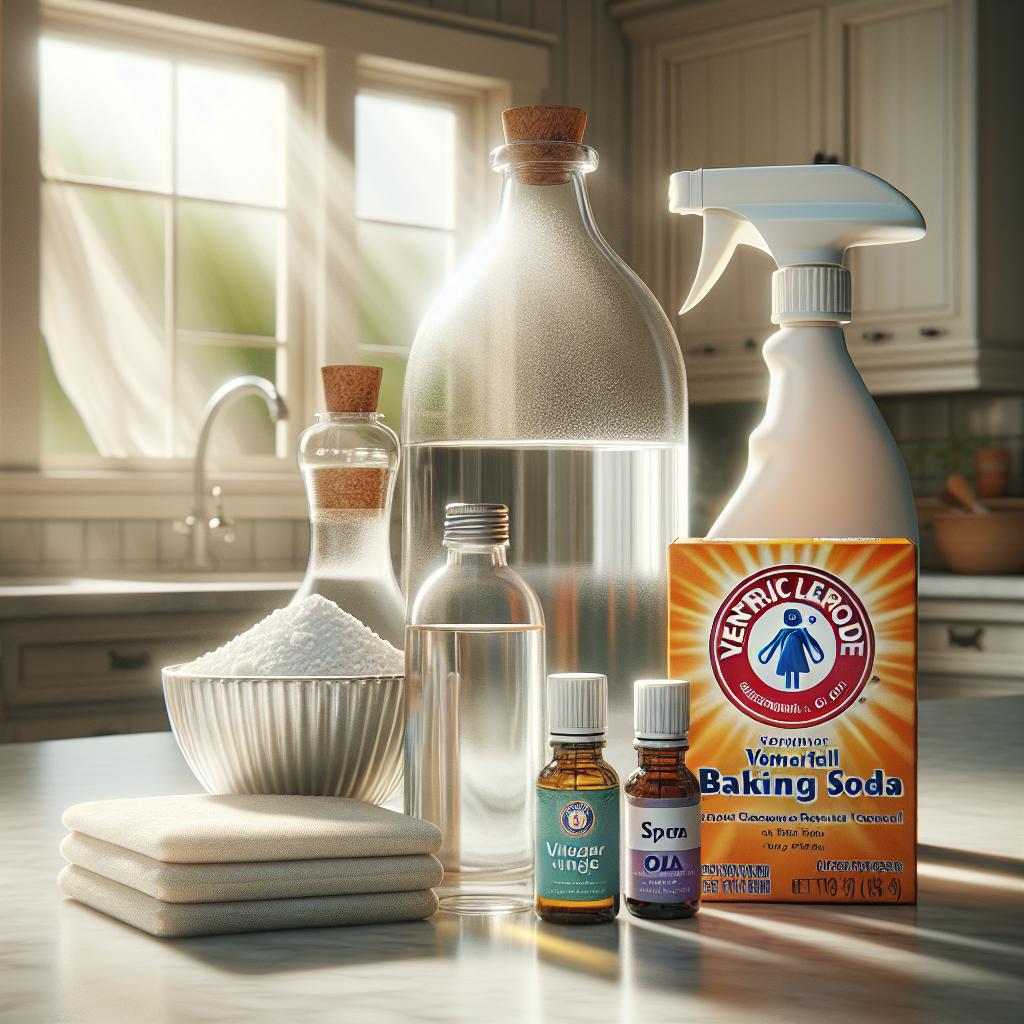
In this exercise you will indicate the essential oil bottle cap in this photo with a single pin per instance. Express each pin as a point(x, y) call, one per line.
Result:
point(577, 704)
point(661, 709)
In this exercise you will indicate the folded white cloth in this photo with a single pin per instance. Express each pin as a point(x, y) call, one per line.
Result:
point(202, 829)
point(248, 880)
point(179, 920)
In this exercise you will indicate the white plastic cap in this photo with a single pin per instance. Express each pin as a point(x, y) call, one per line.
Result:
point(661, 709)
point(577, 704)
point(811, 293)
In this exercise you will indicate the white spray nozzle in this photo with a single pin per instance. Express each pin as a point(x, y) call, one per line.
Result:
point(803, 215)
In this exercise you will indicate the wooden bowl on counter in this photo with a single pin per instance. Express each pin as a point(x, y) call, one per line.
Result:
point(981, 543)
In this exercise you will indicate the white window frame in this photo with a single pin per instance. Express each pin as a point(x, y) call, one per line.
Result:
point(479, 187)
point(297, 67)
point(330, 51)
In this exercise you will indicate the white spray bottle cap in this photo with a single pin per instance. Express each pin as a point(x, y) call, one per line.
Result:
point(805, 216)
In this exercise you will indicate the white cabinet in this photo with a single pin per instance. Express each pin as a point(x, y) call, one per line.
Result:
point(970, 636)
point(745, 95)
point(82, 657)
point(887, 85)
point(97, 674)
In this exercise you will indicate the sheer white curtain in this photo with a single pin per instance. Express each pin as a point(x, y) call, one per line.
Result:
point(107, 350)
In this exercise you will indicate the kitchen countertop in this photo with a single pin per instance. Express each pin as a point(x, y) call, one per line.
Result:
point(956, 956)
point(24, 597)
point(43, 596)
point(978, 588)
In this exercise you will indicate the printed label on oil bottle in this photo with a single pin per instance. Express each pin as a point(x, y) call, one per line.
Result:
point(577, 844)
point(663, 850)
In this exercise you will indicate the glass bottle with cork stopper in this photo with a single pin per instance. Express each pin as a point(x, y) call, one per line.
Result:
point(577, 866)
point(547, 377)
point(662, 806)
point(349, 463)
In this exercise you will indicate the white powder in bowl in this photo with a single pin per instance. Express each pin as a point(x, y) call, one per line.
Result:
point(311, 638)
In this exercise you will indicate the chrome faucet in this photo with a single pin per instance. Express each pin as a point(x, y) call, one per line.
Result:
point(196, 524)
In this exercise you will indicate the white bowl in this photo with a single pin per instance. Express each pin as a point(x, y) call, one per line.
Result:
point(337, 736)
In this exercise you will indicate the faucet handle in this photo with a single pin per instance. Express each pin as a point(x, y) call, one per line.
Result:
point(184, 526)
point(220, 526)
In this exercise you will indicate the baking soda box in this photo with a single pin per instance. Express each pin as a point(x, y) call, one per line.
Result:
point(802, 659)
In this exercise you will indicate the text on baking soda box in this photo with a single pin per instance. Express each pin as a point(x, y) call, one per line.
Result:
point(802, 658)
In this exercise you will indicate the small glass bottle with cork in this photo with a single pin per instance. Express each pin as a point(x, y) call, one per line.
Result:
point(662, 806)
point(577, 867)
point(349, 462)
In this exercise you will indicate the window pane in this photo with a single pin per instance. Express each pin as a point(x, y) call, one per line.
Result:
point(62, 429)
point(405, 162)
point(105, 112)
point(227, 267)
point(131, 229)
point(231, 134)
point(243, 428)
point(401, 272)
point(389, 401)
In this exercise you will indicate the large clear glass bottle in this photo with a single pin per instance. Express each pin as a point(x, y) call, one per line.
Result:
point(349, 462)
point(474, 668)
point(548, 378)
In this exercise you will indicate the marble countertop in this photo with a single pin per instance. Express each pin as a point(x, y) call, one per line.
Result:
point(955, 956)
point(49, 596)
point(983, 588)
point(38, 597)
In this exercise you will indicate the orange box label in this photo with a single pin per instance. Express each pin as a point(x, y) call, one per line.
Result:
point(802, 659)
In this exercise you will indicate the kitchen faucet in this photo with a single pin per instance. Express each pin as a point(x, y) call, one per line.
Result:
point(196, 524)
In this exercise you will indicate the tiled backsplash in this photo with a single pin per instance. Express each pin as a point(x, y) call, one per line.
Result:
point(936, 433)
point(62, 546)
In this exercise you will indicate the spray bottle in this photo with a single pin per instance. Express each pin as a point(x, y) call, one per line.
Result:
point(823, 462)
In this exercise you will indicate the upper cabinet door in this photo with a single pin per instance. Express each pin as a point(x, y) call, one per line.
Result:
point(749, 95)
point(891, 86)
point(894, 108)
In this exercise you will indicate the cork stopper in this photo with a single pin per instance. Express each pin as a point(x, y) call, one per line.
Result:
point(544, 122)
point(351, 388)
point(546, 129)
point(357, 487)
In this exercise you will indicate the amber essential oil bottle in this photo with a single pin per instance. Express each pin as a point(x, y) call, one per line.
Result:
point(662, 806)
point(577, 863)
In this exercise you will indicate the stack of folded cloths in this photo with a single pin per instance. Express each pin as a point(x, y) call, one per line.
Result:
point(203, 865)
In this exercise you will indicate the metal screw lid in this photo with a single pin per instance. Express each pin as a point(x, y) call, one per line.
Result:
point(661, 709)
point(475, 524)
point(577, 704)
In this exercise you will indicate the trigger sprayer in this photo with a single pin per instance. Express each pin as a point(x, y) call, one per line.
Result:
point(823, 462)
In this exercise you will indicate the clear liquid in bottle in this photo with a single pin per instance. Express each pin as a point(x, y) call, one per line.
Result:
point(592, 527)
point(482, 677)
point(474, 669)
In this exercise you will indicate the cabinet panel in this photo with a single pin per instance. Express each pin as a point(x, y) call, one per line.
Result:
point(745, 83)
point(60, 727)
point(746, 96)
point(49, 662)
point(899, 121)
